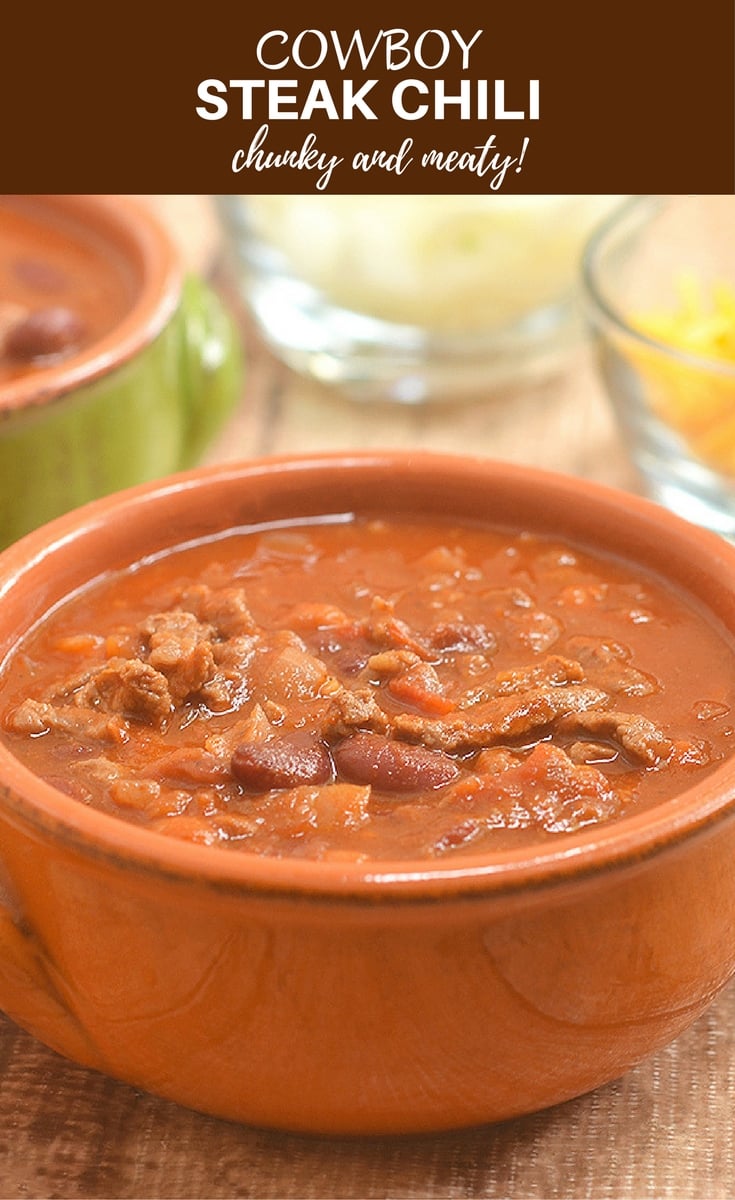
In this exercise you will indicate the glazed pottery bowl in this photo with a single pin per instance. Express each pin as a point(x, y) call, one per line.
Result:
point(354, 997)
point(142, 397)
point(659, 280)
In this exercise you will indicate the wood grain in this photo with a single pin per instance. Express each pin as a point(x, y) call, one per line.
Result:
point(664, 1132)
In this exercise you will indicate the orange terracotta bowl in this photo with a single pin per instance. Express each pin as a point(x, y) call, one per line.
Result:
point(358, 998)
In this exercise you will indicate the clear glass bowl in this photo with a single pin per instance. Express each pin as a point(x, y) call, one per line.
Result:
point(659, 279)
point(412, 298)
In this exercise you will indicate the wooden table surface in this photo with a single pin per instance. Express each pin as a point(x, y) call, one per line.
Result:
point(665, 1130)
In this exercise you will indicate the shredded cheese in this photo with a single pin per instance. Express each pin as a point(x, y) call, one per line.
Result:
point(698, 403)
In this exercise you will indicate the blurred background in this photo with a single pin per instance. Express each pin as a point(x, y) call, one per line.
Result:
point(547, 408)
point(593, 335)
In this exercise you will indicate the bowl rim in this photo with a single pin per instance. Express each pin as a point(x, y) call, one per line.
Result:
point(142, 238)
point(591, 852)
point(604, 311)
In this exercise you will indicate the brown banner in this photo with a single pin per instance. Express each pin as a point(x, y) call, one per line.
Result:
point(558, 96)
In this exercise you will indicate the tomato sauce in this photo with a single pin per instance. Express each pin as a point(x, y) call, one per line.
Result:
point(363, 689)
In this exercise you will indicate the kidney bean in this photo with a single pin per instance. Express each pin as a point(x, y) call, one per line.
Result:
point(392, 766)
point(45, 333)
point(282, 762)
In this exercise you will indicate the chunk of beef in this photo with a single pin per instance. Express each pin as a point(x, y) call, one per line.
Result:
point(500, 719)
point(230, 685)
point(219, 694)
point(130, 687)
point(234, 656)
point(228, 611)
point(180, 647)
point(643, 740)
point(353, 710)
point(87, 725)
point(225, 608)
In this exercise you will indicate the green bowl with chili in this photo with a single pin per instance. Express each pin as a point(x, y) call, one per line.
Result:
point(116, 364)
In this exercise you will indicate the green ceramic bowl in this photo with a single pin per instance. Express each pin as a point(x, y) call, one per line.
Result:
point(142, 399)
